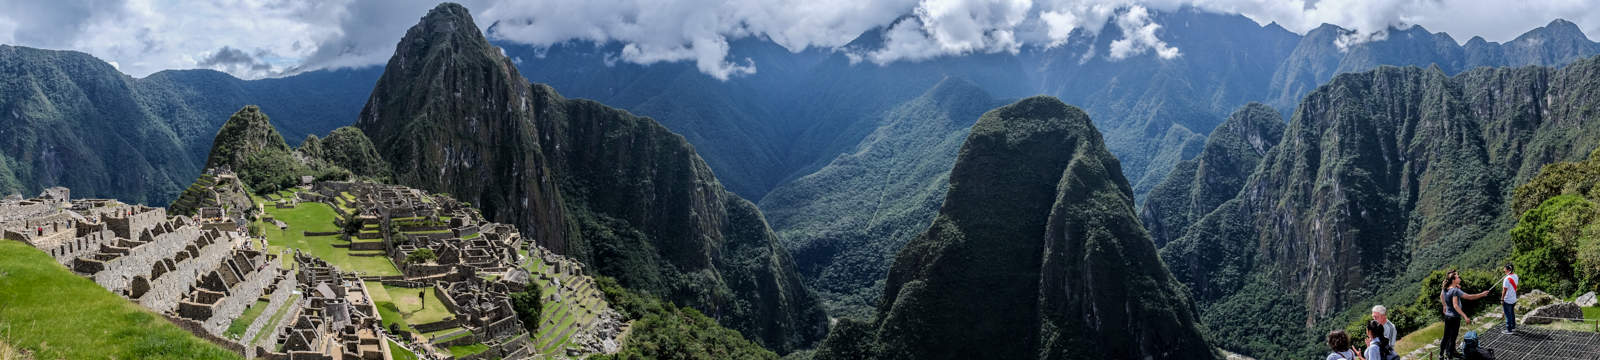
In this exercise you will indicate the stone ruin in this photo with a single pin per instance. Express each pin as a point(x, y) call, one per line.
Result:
point(336, 319)
point(202, 278)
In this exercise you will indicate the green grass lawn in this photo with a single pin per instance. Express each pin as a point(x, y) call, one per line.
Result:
point(48, 310)
point(399, 353)
point(276, 317)
point(403, 306)
point(239, 325)
point(318, 217)
point(466, 350)
point(1417, 339)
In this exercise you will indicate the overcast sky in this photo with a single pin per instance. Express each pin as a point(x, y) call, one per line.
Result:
point(262, 38)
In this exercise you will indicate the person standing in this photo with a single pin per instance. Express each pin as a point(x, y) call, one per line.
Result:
point(1508, 299)
point(1453, 314)
point(1339, 343)
point(1378, 347)
point(1381, 315)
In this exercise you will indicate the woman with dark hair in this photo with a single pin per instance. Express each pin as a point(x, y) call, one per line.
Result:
point(1378, 346)
point(1339, 342)
point(1451, 299)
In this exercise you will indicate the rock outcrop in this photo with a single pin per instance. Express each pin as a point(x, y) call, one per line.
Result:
point(620, 192)
point(1381, 178)
point(1036, 247)
point(1199, 185)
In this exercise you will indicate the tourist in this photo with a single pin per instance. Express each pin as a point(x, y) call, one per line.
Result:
point(1453, 315)
point(1339, 343)
point(1508, 299)
point(1378, 346)
point(1381, 315)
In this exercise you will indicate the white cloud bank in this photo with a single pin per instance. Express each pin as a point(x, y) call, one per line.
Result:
point(261, 38)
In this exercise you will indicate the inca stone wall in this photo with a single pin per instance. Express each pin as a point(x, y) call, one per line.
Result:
point(280, 298)
point(126, 225)
point(241, 296)
point(80, 246)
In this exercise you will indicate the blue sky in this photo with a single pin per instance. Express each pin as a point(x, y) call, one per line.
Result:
point(264, 38)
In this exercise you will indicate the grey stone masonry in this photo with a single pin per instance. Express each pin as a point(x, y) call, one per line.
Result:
point(167, 290)
point(280, 298)
point(244, 294)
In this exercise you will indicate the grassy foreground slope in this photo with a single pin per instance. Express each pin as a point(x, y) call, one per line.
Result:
point(55, 314)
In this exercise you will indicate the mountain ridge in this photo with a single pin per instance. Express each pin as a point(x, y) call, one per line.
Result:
point(621, 193)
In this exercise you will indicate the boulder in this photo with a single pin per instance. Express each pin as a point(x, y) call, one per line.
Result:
point(1550, 313)
point(1533, 300)
point(1587, 300)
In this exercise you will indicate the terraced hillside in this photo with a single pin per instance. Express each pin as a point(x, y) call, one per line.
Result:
point(54, 314)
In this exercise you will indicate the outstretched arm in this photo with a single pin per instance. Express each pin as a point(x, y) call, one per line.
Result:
point(1476, 296)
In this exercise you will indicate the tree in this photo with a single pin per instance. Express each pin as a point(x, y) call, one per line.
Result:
point(529, 305)
point(421, 256)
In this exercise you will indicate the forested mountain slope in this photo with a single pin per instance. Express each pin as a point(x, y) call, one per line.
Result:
point(1197, 186)
point(845, 222)
point(620, 192)
point(1036, 247)
point(1380, 178)
point(69, 119)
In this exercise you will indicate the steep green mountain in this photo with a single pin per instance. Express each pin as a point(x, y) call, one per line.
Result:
point(68, 119)
point(845, 222)
point(250, 146)
point(1381, 178)
point(620, 192)
point(1199, 185)
point(1035, 253)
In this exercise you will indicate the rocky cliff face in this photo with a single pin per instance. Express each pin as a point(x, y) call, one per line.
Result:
point(845, 222)
point(1381, 177)
point(1036, 247)
point(621, 192)
point(1199, 185)
point(1317, 58)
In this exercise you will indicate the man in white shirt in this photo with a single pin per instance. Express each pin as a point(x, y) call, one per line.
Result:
point(1508, 299)
point(1381, 315)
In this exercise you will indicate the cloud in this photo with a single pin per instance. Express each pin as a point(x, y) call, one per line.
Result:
point(288, 36)
point(235, 61)
point(1140, 36)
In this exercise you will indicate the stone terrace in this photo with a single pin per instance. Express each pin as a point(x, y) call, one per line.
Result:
point(1534, 343)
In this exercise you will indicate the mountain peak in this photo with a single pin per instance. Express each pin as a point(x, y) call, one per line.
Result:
point(247, 132)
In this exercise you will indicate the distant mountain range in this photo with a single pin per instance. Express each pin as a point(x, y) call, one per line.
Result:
point(851, 159)
point(69, 119)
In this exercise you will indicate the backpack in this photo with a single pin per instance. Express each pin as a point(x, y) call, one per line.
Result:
point(1469, 342)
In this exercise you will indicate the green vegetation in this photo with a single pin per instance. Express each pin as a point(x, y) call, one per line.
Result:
point(460, 351)
point(319, 217)
point(400, 307)
point(665, 331)
point(844, 222)
point(1381, 179)
point(529, 304)
point(1034, 196)
point(53, 313)
point(1556, 244)
point(584, 195)
point(421, 256)
point(399, 353)
point(251, 146)
point(1200, 185)
point(242, 323)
